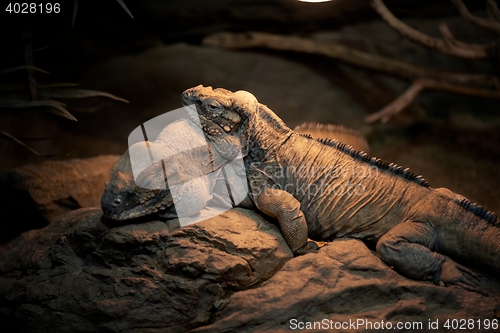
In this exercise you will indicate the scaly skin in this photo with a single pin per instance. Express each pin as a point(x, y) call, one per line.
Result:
point(124, 199)
point(324, 190)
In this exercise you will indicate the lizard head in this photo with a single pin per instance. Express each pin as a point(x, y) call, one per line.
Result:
point(221, 111)
point(232, 115)
point(124, 199)
point(175, 183)
point(220, 114)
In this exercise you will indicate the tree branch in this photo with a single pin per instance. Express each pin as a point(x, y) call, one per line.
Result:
point(407, 97)
point(455, 44)
point(471, 84)
point(468, 51)
point(493, 10)
point(399, 104)
point(483, 23)
point(447, 35)
point(481, 85)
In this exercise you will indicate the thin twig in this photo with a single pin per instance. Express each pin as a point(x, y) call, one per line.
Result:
point(27, 67)
point(75, 11)
point(493, 10)
point(124, 6)
point(399, 104)
point(406, 98)
point(447, 35)
point(28, 57)
point(455, 44)
point(458, 50)
point(483, 23)
point(13, 138)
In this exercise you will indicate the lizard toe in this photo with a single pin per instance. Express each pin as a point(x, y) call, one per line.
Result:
point(474, 288)
point(452, 275)
point(466, 270)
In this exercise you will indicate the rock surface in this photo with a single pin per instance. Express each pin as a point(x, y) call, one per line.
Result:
point(35, 195)
point(234, 272)
point(79, 275)
point(343, 283)
point(230, 273)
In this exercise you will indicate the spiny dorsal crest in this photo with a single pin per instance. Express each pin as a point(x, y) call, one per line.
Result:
point(310, 126)
point(306, 135)
point(375, 161)
point(478, 210)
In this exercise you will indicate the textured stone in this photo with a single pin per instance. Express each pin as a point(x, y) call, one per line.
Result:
point(230, 273)
point(346, 281)
point(79, 275)
point(34, 195)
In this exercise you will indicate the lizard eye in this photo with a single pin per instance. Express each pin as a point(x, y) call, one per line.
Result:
point(214, 107)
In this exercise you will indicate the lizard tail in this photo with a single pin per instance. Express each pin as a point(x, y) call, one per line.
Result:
point(475, 239)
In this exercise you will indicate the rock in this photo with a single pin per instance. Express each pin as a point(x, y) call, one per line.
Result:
point(80, 275)
point(346, 282)
point(230, 273)
point(38, 194)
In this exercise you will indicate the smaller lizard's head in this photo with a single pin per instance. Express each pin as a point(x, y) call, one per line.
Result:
point(221, 111)
point(123, 199)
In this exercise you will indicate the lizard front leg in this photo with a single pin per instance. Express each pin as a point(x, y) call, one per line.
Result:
point(409, 248)
point(285, 208)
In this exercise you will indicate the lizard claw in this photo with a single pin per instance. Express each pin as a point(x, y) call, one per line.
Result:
point(474, 288)
point(452, 274)
point(468, 271)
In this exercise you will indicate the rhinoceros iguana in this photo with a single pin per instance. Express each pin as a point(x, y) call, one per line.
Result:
point(324, 189)
point(189, 178)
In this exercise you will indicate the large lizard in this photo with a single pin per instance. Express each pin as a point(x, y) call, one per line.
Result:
point(323, 189)
point(190, 181)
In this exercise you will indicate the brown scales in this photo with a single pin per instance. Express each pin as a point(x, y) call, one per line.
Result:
point(478, 210)
point(407, 174)
point(375, 161)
